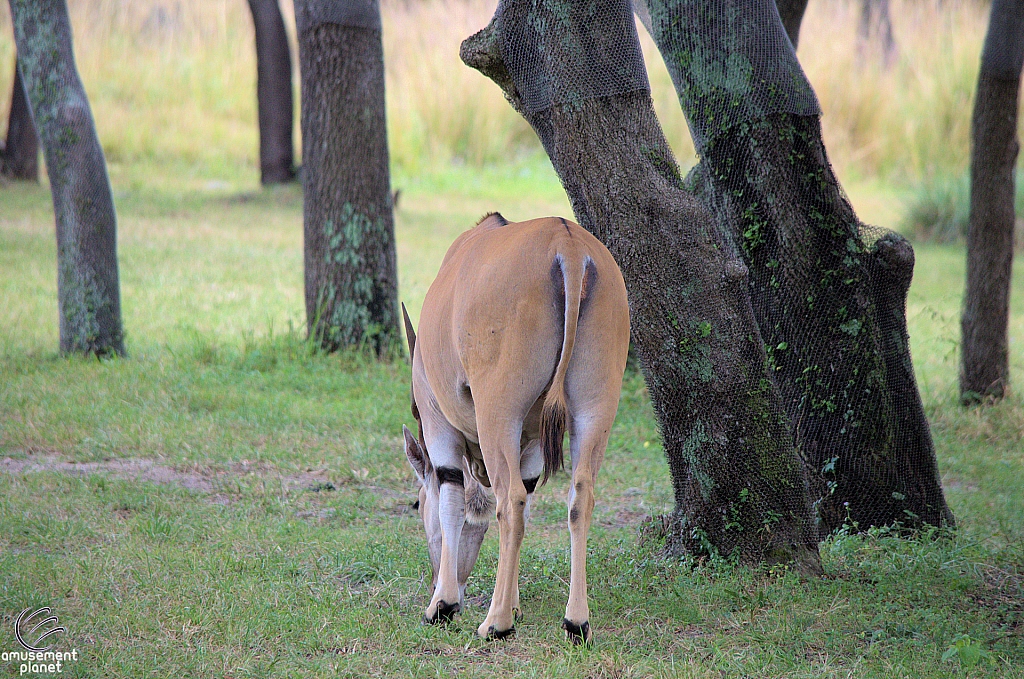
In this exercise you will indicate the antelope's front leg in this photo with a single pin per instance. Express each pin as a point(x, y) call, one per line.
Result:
point(447, 599)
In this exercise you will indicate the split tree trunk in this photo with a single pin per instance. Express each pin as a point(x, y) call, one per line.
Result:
point(88, 292)
point(273, 92)
point(350, 264)
point(19, 159)
point(985, 370)
point(738, 484)
point(828, 302)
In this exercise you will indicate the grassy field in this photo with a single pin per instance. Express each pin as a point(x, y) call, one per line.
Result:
point(226, 503)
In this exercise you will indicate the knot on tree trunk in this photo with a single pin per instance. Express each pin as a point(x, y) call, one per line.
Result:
point(482, 52)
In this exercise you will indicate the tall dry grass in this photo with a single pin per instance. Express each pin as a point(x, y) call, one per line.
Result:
point(175, 80)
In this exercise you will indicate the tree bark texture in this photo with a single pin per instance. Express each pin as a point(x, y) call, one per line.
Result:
point(19, 158)
point(845, 377)
point(88, 291)
point(985, 370)
point(350, 262)
point(738, 485)
point(792, 14)
point(273, 92)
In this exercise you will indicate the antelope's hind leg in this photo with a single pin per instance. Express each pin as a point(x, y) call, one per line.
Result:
point(500, 443)
point(588, 447)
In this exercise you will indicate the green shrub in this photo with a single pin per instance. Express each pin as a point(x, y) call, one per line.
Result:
point(940, 208)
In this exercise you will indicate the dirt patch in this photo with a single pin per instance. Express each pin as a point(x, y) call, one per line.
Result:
point(130, 470)
point(220, 483)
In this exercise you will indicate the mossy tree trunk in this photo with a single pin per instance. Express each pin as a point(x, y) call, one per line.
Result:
point(351, 276)
point(828, 295)
point(273, 92)
point(738, 484)
point(88, 292)
point(19, 158)
point(985, 369)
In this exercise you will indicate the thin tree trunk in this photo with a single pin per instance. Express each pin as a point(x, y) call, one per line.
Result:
point(875, 22)
point(738, 485)
point(792, 14)
point(88, 292)
point(844, 375)
point(985, 370)
point(273, 92)
point(351, 272)
point(20, 156)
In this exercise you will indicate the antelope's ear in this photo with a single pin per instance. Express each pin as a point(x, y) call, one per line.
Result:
point(418, 459)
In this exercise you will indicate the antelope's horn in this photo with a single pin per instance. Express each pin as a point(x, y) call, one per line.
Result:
point(410, 334)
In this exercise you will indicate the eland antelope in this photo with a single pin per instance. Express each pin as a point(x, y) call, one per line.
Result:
point(523, 333)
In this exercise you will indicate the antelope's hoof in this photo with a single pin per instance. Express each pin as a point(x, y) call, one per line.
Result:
point(517, 614)
point(495, 634)
point(443, 615)
point(577, 634)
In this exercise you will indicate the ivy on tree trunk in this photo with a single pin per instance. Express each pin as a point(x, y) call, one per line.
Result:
point(834, 333)
point(350, 262)
point(88, 292)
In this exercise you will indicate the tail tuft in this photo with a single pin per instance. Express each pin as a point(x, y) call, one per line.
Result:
point(552, 427)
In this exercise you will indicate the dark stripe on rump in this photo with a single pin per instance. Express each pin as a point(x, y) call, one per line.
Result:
point(566, 226)
point(450, 475)
point(531, 484)
point(589, 281)
point(558, 287)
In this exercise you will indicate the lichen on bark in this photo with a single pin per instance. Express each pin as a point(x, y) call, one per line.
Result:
point(88, 290)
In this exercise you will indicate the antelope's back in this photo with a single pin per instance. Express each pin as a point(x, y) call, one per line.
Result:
point(497, 305)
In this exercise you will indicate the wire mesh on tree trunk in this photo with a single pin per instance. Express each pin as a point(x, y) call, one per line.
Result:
point(828, 297)
point(738, 484)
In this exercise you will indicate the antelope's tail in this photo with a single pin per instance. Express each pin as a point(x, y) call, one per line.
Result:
point(576, 278)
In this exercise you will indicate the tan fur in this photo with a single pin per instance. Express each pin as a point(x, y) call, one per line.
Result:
point(499, 349)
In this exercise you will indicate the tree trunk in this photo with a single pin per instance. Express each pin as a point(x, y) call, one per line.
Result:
point(351, 276)
point(985, 370)
point(19, 159)
point(875, 22)
point(738, 485)
point(792, 14)
point(829, 303)
point(88, 292)
point(273, 93)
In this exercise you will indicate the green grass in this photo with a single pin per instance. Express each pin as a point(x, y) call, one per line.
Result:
point(273, 535)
